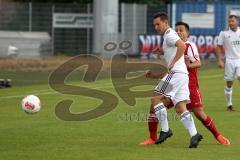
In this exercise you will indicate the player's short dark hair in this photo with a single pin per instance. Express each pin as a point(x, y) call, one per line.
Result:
point(233, 16)
point(184, 24)
point(161, 15)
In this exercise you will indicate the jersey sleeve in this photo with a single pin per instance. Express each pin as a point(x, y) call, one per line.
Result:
point(192, 53)
point(220, 38)
point(172, 38)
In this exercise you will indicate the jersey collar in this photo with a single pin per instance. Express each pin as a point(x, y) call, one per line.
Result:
point(167, 31)
point(232, 30)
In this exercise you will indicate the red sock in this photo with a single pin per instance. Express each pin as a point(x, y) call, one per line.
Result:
point(208, 123)
point(152, 125)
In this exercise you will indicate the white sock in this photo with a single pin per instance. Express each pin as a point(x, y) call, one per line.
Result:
point(188, 123)
point(161, 113)
point(228, 95)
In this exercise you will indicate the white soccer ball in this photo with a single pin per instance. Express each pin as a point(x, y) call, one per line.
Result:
point(31, 104)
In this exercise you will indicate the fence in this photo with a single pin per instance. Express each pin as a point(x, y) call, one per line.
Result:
point(134, 19)
point(38, 17)
point(71, 26)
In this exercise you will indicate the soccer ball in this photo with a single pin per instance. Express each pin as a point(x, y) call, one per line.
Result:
point(31, 104)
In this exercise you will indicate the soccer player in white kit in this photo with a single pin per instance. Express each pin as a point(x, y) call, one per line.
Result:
point(230, 40)
point(174, 85)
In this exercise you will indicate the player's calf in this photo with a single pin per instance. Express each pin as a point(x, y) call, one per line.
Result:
point(188, 122)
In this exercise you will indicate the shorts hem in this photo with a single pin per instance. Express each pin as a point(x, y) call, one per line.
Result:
point(229, 79)
point(165, 95)
point(187, 101)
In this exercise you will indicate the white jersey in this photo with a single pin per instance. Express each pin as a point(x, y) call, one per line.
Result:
point(231, 43)
point(170, 38)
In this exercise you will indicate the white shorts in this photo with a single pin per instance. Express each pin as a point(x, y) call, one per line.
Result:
point(232, 69)
point(175, 87)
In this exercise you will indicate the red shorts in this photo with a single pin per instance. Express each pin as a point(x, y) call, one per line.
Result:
point(195, 97)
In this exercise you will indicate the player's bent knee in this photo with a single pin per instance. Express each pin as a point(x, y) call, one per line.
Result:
point(155, 101)
point(152, 101)
point(180, 107)
point(151, 110)
point(178, 111)
point(229, 84)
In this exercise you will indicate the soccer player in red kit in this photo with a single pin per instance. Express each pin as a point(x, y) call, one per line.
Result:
point(193, 63)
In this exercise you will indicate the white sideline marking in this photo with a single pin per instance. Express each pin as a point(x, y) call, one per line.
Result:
point(47, 92)
point(44, 93)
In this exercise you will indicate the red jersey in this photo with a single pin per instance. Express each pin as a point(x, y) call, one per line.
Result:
point(193, 55)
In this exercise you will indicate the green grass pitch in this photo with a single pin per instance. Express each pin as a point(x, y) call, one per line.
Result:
point(115, 135)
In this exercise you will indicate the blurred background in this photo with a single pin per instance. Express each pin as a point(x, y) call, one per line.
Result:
point(40, 35)
point(39, 28)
